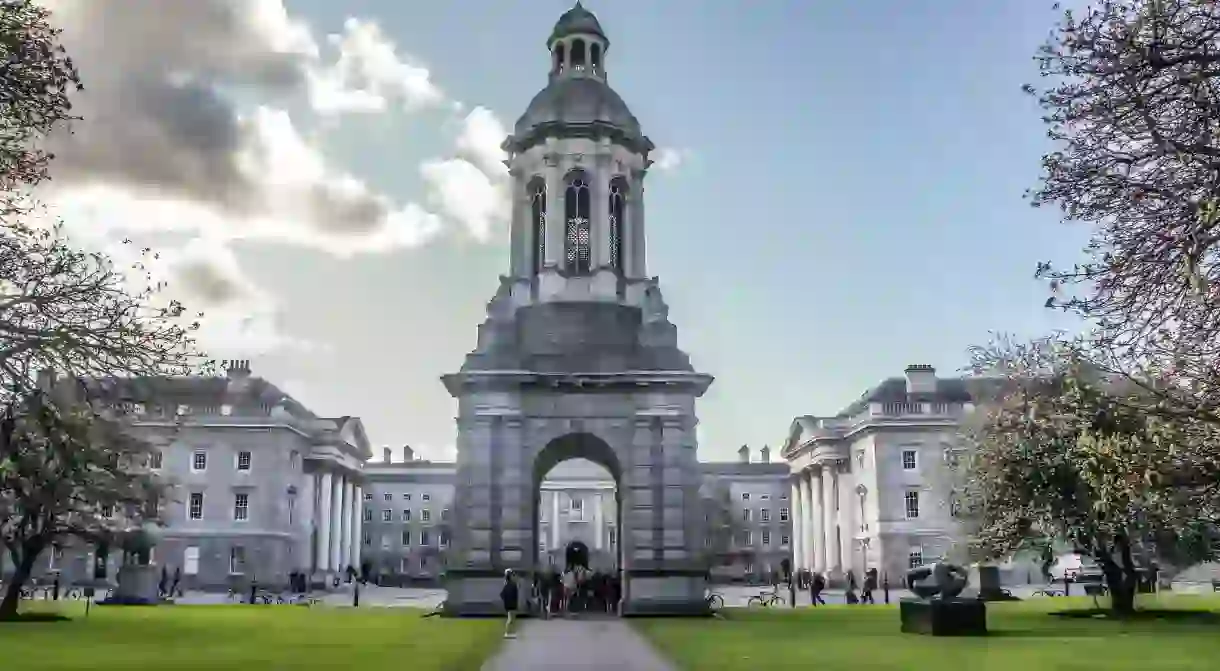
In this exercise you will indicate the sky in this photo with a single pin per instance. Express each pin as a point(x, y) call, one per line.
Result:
point(838, 190)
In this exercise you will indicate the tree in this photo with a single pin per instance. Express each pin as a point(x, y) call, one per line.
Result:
point(1130, 99)
point(74, 468)
point(1059, 452)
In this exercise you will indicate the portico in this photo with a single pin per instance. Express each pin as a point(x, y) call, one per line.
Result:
point(333, 513)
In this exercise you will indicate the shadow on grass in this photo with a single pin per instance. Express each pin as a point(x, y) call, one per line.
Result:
point(34, 618)
point(1142, 615)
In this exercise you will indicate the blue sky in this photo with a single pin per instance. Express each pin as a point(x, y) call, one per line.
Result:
point(851, 201)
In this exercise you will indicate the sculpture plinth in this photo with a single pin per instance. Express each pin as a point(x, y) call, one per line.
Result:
point(947, 617)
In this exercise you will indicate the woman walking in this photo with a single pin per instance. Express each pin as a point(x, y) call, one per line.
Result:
point(509, 596)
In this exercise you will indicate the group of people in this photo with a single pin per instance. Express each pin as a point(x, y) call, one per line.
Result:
point(577, 589)
point(816, 584)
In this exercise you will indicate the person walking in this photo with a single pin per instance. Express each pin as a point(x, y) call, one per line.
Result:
point(816, 585)
point(569, 590)
point(509, 595)
point(870, 584)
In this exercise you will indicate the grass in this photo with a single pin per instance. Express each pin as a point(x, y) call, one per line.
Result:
point(247, 637)
point(1023, 636)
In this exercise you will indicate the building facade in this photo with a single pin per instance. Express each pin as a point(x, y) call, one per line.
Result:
point(259, 486)
point(870, 486)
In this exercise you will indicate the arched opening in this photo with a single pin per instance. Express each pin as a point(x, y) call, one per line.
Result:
point(595, 57)
point(577, 256)
point(559, 57)
point(617, 221)
point(577, 518)
point(537, 196)
point(578, 54)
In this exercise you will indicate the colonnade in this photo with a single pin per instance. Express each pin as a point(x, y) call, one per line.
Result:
point(338, 522)
point(819, 530)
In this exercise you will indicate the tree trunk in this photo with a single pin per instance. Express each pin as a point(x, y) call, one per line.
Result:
point(1122, 595)
point(12, 590)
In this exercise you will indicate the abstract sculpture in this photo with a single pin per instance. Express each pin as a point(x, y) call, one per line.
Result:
point(938, 581)
point(938, 611)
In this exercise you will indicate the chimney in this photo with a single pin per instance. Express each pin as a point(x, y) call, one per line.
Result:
point(387, 455)
point(921, 379)
point(765, 454)
point(407, 453)
point(743, 454)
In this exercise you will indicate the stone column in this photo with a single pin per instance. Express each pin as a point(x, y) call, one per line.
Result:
point(358, 525)
point(322, 547)
point(815, 503)
point(599, 228)
point(554, 520)
point(349, 520)
point(828, 518)
point(307, 506)
point(796, 515)
point(635, 263)
point(598, 521)
point(555, 224)
point(809, 525)
point(336, 523)
point(515, 479)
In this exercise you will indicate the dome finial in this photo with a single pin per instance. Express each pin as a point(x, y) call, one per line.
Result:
point(577, 20)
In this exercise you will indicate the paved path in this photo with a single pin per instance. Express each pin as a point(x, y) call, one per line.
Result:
point(577, 645)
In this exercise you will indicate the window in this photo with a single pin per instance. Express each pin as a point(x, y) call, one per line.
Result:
point(387, 515)
point(199, 461)
point(405, 497)
point(747, 538)
point(294, 460)
point(765, 497)
point(576, 233)
point(195, 506)
point(243, 461)
point(107, 511)
point(423, 537)
point(745, 496)
point(444, 538)
point(385, 541)
point(368, 496)
point(578, 507)
point(368, 514)
point(912, 505)
point(766, 514)
point(404, 565)
point(613, 535)
point(237, 560)
point(406, 538)
point(766, 537)
point(155, 460)
point(406, 514)
point(425, 515)
point(241, 507)
point(427, 497)
point(908, 460)
point(783, 497)
point(368, 540)
point(784, 540)
point(915, 558)
point(618, 219)
point(745, 515)
point(387, 496)
point(444, 514)
point(292, 507)
point(783, 514)
point(190, 560)
point(537, 193)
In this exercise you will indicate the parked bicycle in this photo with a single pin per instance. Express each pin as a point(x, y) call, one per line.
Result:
point(766, 599)
point(715, 602)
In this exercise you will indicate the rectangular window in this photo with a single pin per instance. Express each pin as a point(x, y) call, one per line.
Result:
point(745, 496)
point(155, 459)
point(199, 461)
point(766, 514)
point(748, 537)
point(915, 558)
point(613, 535)
point(241, 507)
point(444, 538)
point(190, 560)
point(387, 496)
point(385, 541)
point(368, 514)
point(406, 514)
point(423, 537)
point(427, 497)
point(784, 540)
point(766, 537)
point(406, 538)
point(368, 539)
point(911, 499)
point(745, 515)
point(195, 506)
point(425, 515)
point(405, 497)
point(243, 461)
point(107, 511)
point(368, 496)
point(444, 514)
point(387, 515)
point(908, 460)
point(404, 565)
point(783, 514)
point(765, 497)
point(237, 560)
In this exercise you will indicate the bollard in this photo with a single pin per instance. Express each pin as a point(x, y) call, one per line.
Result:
point(253, 591)
point(885, 586)
point(55, 588)
point(356, 596)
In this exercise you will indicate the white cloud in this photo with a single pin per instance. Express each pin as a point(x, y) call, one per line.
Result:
point(369, 75)
point(472, 189)
point(669, 159)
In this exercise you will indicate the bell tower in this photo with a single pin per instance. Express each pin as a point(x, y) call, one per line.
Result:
point(577, 357)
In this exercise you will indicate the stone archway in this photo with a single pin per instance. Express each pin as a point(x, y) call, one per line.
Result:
point(578, 445)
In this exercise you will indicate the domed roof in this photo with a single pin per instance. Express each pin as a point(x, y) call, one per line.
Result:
point(577, 20)
point(577, 101)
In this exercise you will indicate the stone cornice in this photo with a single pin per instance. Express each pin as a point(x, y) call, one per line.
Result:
point(459, 383)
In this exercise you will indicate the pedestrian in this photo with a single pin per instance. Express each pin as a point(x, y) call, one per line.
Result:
point(870, 584)
point(509, 596)
point(816, 584)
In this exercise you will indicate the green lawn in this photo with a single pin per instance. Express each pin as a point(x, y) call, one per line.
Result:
point(1023, 636)
point(248, 637)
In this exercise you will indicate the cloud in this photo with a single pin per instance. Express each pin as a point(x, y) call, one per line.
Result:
point(369, 75)
point(669, 159)
point(472, 187)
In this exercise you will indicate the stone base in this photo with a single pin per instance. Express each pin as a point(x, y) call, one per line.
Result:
point(137, 586)
point(953, 617)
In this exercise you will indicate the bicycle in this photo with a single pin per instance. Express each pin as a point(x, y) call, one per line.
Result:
point(715, 602)
point(766, 600)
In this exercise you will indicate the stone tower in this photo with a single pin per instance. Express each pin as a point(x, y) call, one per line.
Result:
point(577, 357)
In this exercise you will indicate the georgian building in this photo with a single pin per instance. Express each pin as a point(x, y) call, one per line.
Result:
point(869, 484)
